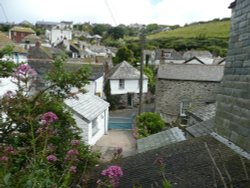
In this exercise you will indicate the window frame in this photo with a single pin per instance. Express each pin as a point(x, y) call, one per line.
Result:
point(121, 84)
point(184, 105)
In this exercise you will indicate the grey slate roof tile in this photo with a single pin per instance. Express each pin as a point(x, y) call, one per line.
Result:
point(190, 72)
point(124, 71)
point(202, 128)
point(160, 139)
point(87, 105)
point(205, 112)
point(187, 165)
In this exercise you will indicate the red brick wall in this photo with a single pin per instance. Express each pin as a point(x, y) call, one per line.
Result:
point(18, 36)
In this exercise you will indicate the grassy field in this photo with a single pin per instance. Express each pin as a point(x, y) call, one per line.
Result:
point(219, 29)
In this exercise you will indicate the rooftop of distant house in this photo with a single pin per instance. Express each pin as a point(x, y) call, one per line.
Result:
point(22, 29)
point(213, 73)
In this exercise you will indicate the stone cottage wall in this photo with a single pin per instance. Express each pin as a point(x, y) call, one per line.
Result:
point(170, 93)
point(233, 102)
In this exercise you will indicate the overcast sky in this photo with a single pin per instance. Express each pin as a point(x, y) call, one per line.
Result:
point(115, 12)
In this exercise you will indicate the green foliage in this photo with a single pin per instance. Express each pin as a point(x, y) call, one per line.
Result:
point(100, 29)
point(149, 123)
point(149, 72)
point(124, 54)
point(6, 67)
point(116, 32)
point(28, 139)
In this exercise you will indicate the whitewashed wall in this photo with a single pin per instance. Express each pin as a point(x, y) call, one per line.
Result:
point(86, 128)
point(102, 120)
point(131, 86)
point(95, 86)
point(58, 35)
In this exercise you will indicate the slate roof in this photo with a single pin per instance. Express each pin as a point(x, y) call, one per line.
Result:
point(43, 52)
point(204, 112)
point(32, 38)
point(213, 73)
point(188, 165)
point(195, 53)
point(174, 55)
point(5, 41)
point(87, 105)
point(124, 71)
point(46, 23)
point(201, 129)
point(191, 59)
point(22, 29)
point(160, 139)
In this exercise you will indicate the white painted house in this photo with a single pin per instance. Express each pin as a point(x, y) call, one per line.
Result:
point(59, 33)
point(124, 80)
point(91, 115)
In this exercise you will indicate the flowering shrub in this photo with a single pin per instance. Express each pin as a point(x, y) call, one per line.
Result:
point(111, 176)
point(39, 141)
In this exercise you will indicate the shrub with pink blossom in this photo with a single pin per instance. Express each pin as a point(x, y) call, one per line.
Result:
point(111, 176)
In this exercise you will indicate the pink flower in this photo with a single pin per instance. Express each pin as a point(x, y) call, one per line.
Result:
point(24, 71)
point(10, 150)
point(73, 169)
point(48, 118)
point(51, 158)
point(75, 142)
point(113, 173)
point(73, 152)
point(4, 158)
point(9, 94)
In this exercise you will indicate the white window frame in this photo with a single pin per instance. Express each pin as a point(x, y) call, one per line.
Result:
point(121, 84)
point(184, 105)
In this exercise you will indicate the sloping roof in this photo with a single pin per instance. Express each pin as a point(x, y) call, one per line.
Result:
point(31, 38)
point(212, 73)
point(160, 139)
point(87, 105)
point(188, 165)
point(193, 58)
point(5, 41)
point(43, 52)
point(201, 129)
point(46, 23)
point(124, 71)
point(205, 112)
point(233, 4)
point(22, 29)
point(173, 54)
point(196, 53)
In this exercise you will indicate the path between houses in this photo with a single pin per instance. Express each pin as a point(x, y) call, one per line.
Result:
point(115, 139)
point(124, 139)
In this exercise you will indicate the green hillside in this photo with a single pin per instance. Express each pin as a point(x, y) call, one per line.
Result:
point(219, 29)
point(212, 36)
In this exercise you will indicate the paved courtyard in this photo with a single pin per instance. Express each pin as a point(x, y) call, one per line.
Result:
point(115, 139)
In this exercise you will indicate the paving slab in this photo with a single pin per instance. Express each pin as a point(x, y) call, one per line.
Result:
point(115, 139)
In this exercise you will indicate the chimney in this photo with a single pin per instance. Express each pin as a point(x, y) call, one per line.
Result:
point(38, 44)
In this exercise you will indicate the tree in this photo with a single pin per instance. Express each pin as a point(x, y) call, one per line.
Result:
point(149, 72)
point(40, 143)
point(124, 54)
point(100, 29)
point(116, 32)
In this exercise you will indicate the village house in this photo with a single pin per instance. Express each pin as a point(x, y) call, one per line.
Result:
point(91, 115)
point(18, 55)
point(182, 87)
point(46, 24)
point(168, 56)
point(18, 33)
point(124, 82)
point(60, 32)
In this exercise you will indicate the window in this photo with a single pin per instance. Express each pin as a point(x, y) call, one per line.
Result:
point(94, 127)
point(121, 84)
point(184, 106)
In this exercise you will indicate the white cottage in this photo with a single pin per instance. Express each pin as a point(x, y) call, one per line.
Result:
point(124, 80)
point(91, 115)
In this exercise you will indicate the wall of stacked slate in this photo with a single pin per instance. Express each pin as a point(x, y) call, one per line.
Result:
point(233, 102)
point(170, 93)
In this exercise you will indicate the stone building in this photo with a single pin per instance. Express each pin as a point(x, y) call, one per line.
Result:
point(181, 87)
point(233, 102)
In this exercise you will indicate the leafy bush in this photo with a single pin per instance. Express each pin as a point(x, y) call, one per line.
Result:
point(149, 123)
point(39, 143)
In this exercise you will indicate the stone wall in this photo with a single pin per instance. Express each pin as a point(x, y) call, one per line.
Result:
point(170, 93)
point(233, 102)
